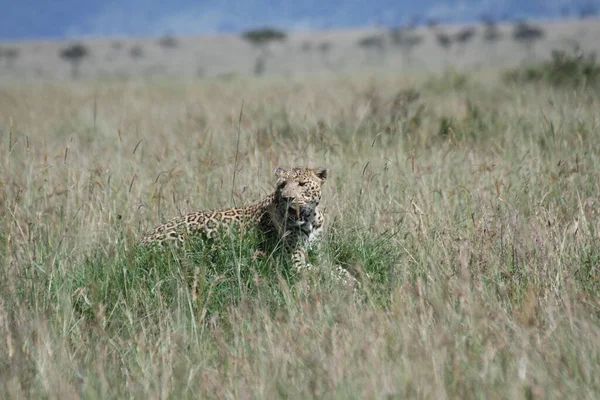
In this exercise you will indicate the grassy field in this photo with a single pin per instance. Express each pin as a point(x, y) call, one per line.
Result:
point(470, 209)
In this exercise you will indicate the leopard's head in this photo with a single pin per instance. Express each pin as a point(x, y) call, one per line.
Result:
point(299, 191)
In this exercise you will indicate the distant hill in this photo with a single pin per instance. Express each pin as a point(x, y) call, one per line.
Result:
point(225, 56)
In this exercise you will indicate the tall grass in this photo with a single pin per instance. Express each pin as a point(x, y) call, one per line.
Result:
point(470, 212)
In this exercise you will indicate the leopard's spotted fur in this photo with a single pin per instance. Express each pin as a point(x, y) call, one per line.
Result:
point(291, 213)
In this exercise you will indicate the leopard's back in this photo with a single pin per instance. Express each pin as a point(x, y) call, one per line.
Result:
point(207, 223)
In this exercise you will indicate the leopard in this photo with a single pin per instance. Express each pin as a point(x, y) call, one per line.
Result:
point(291, 214)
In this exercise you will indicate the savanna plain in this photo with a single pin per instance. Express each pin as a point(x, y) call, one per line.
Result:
point(467, 207)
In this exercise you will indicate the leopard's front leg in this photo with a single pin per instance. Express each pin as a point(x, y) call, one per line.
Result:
point(296, 247)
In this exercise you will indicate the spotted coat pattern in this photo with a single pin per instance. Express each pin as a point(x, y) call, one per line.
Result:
point(291, 213)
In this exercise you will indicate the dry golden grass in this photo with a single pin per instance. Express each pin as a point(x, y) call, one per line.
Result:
point(473, 207)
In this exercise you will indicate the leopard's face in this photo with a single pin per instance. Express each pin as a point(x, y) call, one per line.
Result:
point(299, 192)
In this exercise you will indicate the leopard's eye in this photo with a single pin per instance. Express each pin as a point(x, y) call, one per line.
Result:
point(301, 183)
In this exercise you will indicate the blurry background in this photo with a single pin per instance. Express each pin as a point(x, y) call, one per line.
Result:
point(123, 40)
point(461, 140)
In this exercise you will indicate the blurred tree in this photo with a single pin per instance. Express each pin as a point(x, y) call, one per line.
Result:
point(136, 52)
point(306, 46)
point(261, 38)
point(464, 36)
point(588, 10)
point(74, 54)
point(432, 23)
point(10, 54)
point(445, 42)
point(406, 39)
point(324, 49)
point(374, 45)
point(168, 42)
point(264, 36)
point(527, 35)
point(486, 20)
point(491, 34)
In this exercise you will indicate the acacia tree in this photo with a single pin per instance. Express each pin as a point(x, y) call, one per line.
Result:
point(324, 49)
point(10, 54)
point(74, 54)
point(463, 37)
point(374, 46)
point(491, 34)
point(406, 39)
point(168, 42)
point(261, 38)
point(445, 42)
point(432, 23)
point(306, 47)
point(527, 35)
point(136, 52)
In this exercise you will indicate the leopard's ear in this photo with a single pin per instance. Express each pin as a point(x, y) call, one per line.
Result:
point(280, 172)
point(281, 177)
point(321, 172)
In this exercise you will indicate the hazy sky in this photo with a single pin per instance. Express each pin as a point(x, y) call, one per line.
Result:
point(59, 18)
